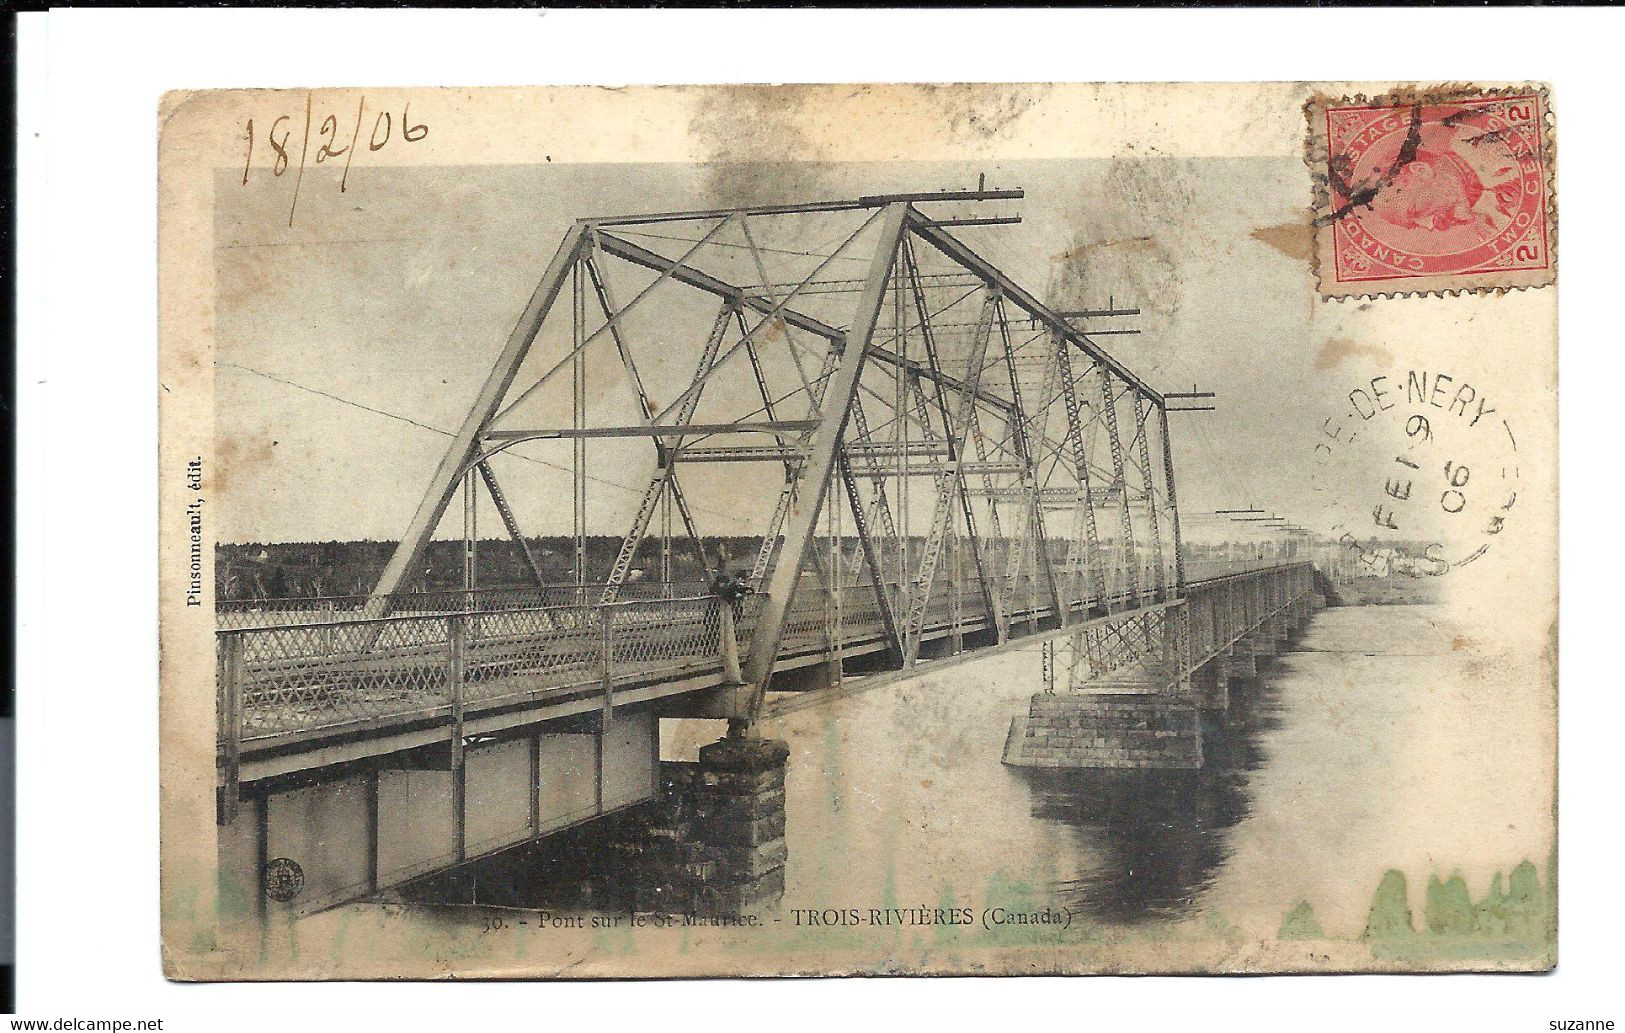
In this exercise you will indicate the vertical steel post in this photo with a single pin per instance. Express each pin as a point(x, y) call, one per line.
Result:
point(837, 550)
point(956, 610)
point(830, 587)
point(457, 681)
point(1142, 419)
point(1173, 500)
point(606, 647)
point(1120, 484)
point(665, 544)
point(229, 706)
point(578, 411)
point(534, 746)
point(900, 404)
point(470, 541)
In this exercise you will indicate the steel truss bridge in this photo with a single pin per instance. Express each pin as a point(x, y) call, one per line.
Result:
point(938, 465)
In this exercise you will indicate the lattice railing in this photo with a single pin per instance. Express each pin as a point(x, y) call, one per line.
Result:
point(310, 677)
point(318, 674)
point(1164, 645)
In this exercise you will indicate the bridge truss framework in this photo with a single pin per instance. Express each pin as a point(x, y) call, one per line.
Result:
point(927, 425)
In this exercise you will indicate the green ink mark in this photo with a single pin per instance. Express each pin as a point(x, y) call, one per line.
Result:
point(612, 934)
point(1449, 908)
point(1301, 924)
point(1390, 915)
point(947, 935)
point(1525, 903)
point(1515, 921)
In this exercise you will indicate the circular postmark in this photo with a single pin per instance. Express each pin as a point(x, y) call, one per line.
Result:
point(1419, 472)
point(283, 879)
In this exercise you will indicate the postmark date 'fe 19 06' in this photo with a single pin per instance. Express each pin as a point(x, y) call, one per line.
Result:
point(1442, 462)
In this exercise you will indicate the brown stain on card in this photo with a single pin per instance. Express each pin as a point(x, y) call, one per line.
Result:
point(1081, 251)
point(758, 144)
point(1337, 349)
point(980, 112)
point(1292, 239)
point(1132, 251)
point(240, 454)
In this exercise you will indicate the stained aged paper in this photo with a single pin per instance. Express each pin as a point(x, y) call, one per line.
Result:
point(857, 529)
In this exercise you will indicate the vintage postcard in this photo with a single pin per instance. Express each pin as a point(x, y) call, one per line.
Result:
point(859, 529)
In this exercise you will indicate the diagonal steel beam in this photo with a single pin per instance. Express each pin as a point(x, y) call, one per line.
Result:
point(957, 251)
point(1030, 476)
point(580, 346)
point(951, 487)
point(814, 475)
point(612, 323)
point(443, 484)
point(888, 619)
point(659, 483)
point(1086, 506)
point(686, 274)
point(692, 277)
point(509, 521)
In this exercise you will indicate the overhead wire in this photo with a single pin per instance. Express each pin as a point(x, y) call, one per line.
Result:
point(558, 467)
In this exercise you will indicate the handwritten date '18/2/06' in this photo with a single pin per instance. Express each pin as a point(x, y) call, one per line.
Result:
point(287, 136)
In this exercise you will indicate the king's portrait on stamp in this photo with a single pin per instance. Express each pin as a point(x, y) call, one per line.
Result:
point(1437, 190)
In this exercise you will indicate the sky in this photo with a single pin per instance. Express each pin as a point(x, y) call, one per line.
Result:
point(397, 294)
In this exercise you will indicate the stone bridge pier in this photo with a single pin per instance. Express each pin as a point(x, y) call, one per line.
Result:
point(1152, 716)
point(716, 846)
point(710, 844)
point(1211, 683)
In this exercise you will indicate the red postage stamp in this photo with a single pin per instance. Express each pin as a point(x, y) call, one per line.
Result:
point(1434, 191)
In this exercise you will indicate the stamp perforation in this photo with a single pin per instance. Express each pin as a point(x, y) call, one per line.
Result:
point(1330, 284)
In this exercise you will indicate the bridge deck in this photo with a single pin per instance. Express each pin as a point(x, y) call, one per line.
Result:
point(331, 676)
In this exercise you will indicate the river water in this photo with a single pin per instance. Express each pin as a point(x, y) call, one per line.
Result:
point(1375, 743)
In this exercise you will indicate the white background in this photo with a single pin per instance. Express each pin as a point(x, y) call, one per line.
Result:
point(87, 628)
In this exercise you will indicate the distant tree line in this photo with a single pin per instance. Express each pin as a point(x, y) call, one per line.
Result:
point(285, 570)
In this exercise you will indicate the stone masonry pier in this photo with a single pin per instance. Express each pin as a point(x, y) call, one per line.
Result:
point(1157, 728)
point(1106, 730)
point(714, 840)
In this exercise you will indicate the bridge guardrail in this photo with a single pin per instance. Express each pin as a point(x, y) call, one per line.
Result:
point(1217, 610)
point(310, 677)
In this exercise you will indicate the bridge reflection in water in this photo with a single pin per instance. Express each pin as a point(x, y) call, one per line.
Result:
point(1146, 843)
point(1151, 842)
